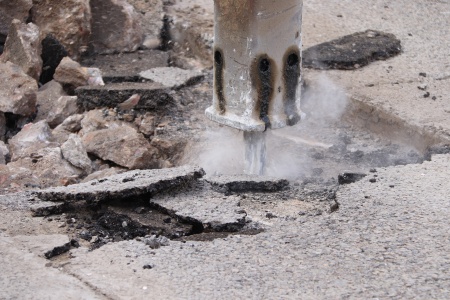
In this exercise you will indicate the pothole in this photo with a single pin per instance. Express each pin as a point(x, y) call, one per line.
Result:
point(96, 225)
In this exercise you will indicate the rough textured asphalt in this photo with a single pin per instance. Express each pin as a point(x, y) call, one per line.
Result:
point(389, 239)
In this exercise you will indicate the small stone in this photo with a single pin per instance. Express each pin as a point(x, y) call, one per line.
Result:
point(47, 95)
point(63, 108)
point(426, 95)
point(422, 87)
point(350, 177)
point(140, 210)
point(71, 73)
point(155, 242)
point(30, 139)
point(94, 239)
point(74, 152)
point(124, 224)
point(147, 267)
point(132, 150)
point(372, 180)
point(270, 215)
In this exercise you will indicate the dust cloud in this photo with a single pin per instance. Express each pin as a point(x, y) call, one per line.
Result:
point(222, 150)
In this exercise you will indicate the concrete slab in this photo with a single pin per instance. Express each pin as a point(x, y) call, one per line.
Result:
point(172, 77)
point(352, 51)
point(153, 95)
point(211, 210)
point(246, 183)
point(126, 66)
point(123, 186)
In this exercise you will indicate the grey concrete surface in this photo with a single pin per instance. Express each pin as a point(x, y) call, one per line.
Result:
point(246, 183)
point(389, 240)
point(124, 185)
point(26, 274)
point(172, 77)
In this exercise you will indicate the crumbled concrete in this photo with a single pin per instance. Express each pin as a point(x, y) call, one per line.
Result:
point(30, 139)
point(151, 13)
point(153, 95)
point(124, 186)
point(246, 183)
point(146, 124)
point(23, 48)
point(47, 95)
point(71, 73)
point(46, 246)
point(352, 51)
point(172, 77)
point(115, 27)
point(17, 90)
point(68, 21)
point(46, 208)
point(62, 108)
point(132, 150)
point(43, 168)
point(74, 152)
point(70, 125)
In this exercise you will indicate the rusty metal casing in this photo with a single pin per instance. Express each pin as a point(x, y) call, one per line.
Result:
point(257, 63)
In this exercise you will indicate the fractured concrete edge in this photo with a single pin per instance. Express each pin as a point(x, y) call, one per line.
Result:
point(208, 225)
point(45, 208)
point(123, 186)
point(246, 183)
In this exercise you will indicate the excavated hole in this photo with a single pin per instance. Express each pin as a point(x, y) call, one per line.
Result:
point(127, 219)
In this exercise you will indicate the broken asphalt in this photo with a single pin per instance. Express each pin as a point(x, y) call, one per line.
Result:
point(388, 240)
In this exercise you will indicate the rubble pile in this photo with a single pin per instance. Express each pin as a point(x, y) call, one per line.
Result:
point(86, 90)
